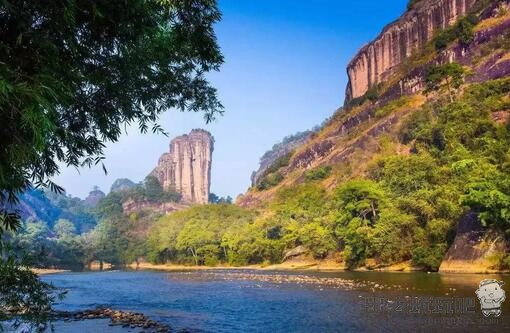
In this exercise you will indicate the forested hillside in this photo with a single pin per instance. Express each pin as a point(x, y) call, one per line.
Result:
point(392, 175)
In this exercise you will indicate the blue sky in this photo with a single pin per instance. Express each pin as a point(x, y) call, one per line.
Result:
point(284, 72)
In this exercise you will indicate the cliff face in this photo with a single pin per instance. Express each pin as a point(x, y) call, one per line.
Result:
point(279, 150)
point(364, 139)
point(473, 248)
point(378, 60)
point(187, 167)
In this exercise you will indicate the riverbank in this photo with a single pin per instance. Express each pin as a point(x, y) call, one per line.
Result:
point(330, 266)
point(318, 266)
point(46, 271)
point(291, 265)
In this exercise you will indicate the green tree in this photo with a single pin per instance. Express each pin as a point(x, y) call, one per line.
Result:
point(317, 238)
point(204, 234)
point(430, 257)
point(28, 297)
point(448, 77)
point(214, 199)
point(319, 173)
point(464, 29)
point(110, 205)
point(34, 240)
point(491, 200)
point(64, 228)
point(193, 240)
point(359, 199)
point(153, 189)
point(73, 73)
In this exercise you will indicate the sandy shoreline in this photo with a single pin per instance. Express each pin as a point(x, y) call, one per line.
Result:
point(46, 271)
point(326, 266)
point(298, 265)
point(311, 266)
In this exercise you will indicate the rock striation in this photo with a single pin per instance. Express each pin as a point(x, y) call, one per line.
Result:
point(379, 59)
point(186, 168)
point(473, 248)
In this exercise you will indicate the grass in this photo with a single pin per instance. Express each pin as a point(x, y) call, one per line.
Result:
point(493, 21)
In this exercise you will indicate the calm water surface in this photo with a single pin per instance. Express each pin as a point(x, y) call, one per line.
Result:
point(254, 301)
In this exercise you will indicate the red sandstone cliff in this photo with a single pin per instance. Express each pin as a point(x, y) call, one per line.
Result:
point(187, 167)
point(378, 60)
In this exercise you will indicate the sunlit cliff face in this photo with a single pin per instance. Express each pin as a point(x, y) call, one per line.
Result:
point(187, 167)
point(375, 62)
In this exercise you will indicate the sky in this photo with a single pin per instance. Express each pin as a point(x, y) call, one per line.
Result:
point(284, 72)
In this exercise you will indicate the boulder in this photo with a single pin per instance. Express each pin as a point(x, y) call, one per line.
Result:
point(295, 252)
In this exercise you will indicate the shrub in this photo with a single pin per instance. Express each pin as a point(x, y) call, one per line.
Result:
point(413, 125)
point(461, 31)
point(371, 95)
point(319, 173)
point(447, 77)
point(443, 39)
point(430, 257)
point(317, 239)
point(272, 176)
point(499, 261)
point(270, 180)
point(392, 106)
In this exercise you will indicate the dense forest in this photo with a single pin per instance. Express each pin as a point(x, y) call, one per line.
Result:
point(406, 207)
point(68, 232)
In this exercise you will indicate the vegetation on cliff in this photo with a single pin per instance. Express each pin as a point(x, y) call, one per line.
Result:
point(405, 207)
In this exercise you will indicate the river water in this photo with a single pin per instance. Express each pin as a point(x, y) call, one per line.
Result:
point(263, 301)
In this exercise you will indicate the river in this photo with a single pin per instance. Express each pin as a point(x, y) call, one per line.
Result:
point(263, 301)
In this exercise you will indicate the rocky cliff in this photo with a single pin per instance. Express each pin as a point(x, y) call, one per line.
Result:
point(353, 132)
point(186, 168)
point(131, 206)
point(378, 138)
point(379, 59)
point(474, 248)
point(286, 146)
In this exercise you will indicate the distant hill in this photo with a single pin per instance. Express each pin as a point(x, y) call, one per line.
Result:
point(49, 207)
point(122, 184)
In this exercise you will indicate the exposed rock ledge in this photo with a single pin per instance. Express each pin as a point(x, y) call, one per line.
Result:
point(132, 206)
point(472, 248)
point(120, 318)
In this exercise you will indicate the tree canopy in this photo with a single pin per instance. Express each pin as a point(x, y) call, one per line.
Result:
point(73, 73)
